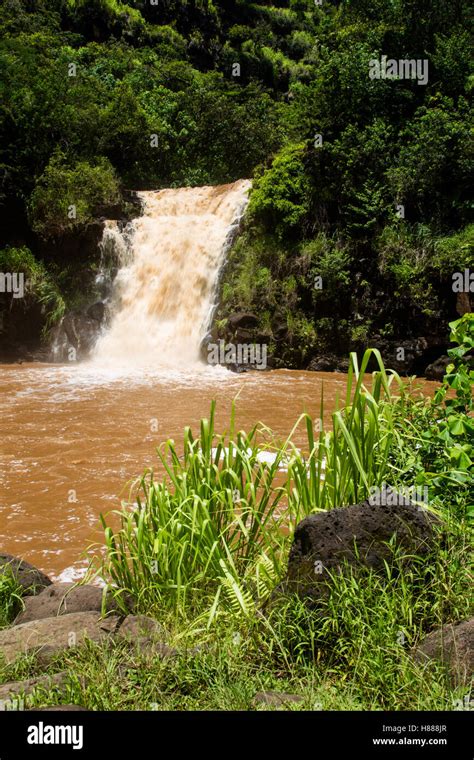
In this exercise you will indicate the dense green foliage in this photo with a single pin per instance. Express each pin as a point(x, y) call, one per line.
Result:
point(98, 95)
point(436, 436)
point(98, 80)
point(65, 197)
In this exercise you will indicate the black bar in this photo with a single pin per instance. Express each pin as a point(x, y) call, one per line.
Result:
point(124, 734)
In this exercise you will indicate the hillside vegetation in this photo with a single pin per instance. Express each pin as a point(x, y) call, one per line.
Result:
point(360, 182)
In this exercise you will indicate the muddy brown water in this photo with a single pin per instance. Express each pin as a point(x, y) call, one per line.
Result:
point(73, 436)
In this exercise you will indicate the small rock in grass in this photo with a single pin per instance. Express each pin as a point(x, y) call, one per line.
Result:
point(46, 655)
point(145, 633)
point(62, 599)
point(9, 691)
point(139, 626)
point(452, 645)
point(276, 698)
point(149, 647)
point(59, 633)
point(29, 577)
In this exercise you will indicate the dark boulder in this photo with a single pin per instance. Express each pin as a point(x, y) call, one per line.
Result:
point(358, 536)
point(81, 332)
point(29, 577)
point(242, 320)
point(400, 355)
point(409, 356)
point(437, 370)
point(280, 332)
point(323, 363)
point(203, 348)
point(243, 335)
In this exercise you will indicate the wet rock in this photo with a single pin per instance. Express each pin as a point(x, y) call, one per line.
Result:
point(29, 577)
point(243, 335)
point(343, 365)
point(242, 320)
point(206, 342)
point(324, 542)
point(437, 370)
point(57, 633)
point(129, 206)
point(276, 698)
point(407, 357)
point(402, 355)
point(9, 691)
point(280, 332)
point(97, 311)
point(62, 599)
point(76, 331)
point(452, 645)
point(323, 363)
point(328, 363)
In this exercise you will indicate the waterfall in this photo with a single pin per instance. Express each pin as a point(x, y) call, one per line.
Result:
point(165, 290)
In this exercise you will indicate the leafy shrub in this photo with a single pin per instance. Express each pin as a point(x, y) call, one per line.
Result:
point(67, 196)
point(39, 285)
point(435, 162)
point(453, 252)
point(435, 437)
point(330, 260)
point(280, 195)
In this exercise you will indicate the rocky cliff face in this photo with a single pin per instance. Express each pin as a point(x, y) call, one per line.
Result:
point(23, 321)
point(84, 273)
point(422, 356)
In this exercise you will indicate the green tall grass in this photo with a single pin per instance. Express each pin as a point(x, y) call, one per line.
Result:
point(209, 528)
point(213, 533)
point(10, 596)
point(345, 462)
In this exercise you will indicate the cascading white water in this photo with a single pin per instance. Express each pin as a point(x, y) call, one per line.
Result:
point(114, 245)
point(164, 296)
